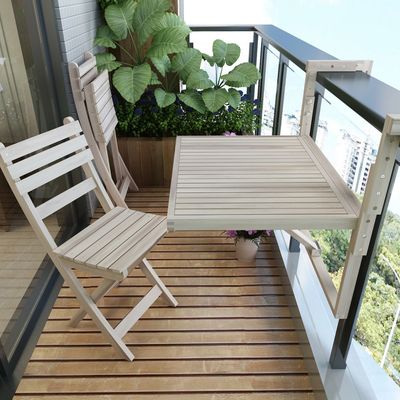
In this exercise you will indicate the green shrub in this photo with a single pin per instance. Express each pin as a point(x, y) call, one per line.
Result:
point(146, 119)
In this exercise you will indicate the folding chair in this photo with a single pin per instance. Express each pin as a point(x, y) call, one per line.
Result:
point(95, 107)
point(109, 248)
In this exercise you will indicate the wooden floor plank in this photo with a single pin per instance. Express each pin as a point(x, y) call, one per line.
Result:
point(236, 333)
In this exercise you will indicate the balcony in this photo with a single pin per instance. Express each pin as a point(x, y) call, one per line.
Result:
point(263, 329)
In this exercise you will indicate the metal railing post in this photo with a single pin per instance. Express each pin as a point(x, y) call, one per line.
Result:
point(261, 83)
point(280, 94)
point(253, 49)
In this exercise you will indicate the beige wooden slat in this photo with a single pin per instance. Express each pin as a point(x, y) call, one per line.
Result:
point(273, 207)
point(47, 156)
point(85, 67)
point(257, 190)
point(54, 171)
point(281, 198)
point(244, 184)
point(35, 143)
point(68, 196)
point(87, 78)
point(260, 212)
point(280, 221)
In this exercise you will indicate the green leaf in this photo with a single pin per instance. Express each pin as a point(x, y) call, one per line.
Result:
point(106, 61)
point(214, 99)
point(208, 58)
point(119, 17)
point(163, 64)
point(167, 41)
point(105, 37)
point(242, 75)
point(164, 99)
point(193, 99)
point(233, 98)
point(186, 62)
point(199, 80)
point(147, 16)
point(132, 82)
point(154, 79)
point(171, 20)
point(219, 52)
point(232, 53)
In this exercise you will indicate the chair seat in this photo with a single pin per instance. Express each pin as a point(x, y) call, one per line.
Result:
point(114, 243)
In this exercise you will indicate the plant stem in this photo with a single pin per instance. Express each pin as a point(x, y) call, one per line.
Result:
point(138, 58)
point(126, 51)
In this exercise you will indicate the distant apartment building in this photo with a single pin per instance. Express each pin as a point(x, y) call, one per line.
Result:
point(358, 160)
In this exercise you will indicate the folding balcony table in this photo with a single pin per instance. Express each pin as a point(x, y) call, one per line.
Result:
point(257, 182)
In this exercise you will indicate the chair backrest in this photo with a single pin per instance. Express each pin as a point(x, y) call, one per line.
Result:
point(34, 162)
point(80, 76)
point(100, 106)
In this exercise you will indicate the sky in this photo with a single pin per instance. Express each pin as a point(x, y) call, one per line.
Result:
point(346, 29)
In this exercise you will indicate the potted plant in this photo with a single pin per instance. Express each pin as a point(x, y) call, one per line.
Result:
point(162, 89)
point(247, 242)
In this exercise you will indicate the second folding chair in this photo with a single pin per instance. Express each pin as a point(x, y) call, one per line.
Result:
point(96, 112)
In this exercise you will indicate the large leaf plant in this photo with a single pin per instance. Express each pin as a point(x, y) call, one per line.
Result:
point(152, 33)
point(202, 93)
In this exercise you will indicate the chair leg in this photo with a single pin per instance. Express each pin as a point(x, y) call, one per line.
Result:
point(152, 276)
point(98, 318)
point(125, 172)
point(116, 159)
point(104, 155)
point(96, 295)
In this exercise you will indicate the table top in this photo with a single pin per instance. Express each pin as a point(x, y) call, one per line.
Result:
point(256, 182)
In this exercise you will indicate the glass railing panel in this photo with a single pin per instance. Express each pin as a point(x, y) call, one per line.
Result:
point(270, 86)
point(293, 98)
point(348, 141)
point(378, 326)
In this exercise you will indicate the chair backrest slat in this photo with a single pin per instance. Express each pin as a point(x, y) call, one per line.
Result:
point(87, 66)
point(48, 156)
point(88, 77)
point(68, 196)
point(38, 142)
point(54, 171)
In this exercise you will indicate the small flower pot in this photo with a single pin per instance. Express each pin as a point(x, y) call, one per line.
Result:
point(246, 250)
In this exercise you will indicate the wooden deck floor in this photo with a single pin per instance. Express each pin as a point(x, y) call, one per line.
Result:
point(236, 333)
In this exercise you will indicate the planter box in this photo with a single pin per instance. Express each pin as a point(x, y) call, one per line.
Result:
point(149, 160)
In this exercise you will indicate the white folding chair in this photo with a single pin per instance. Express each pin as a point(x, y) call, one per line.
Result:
point(110, 247)
point(95, 108)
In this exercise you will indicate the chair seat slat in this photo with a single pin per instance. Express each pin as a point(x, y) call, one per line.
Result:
point(50, 173)
point(47, 156)
point(65, 198)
